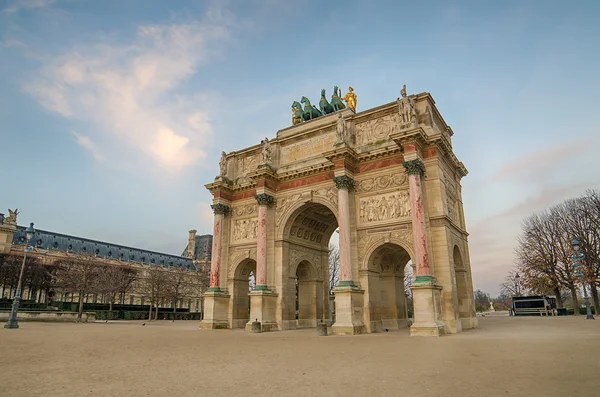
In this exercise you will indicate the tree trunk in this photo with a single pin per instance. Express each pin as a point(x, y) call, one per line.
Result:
point(156, 313)
point(80, 312)
point(112, 298)
point(575, 301)
point(174, 305)
point(150, 314)
point(595, 296)
point(559, 302)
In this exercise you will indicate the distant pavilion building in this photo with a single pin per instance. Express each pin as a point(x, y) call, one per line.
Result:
point(50, 247)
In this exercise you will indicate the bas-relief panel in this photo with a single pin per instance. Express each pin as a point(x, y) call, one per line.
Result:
point(307, 148)
point(246, 164)
point(245, 229)
point(375, 130)
point(384, 207)
point(242, 210)
point(380, 182)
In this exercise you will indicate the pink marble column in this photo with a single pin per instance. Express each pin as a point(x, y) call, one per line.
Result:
point(344, 183)
point(264, 200)
point(220, 210)
point(415, 170)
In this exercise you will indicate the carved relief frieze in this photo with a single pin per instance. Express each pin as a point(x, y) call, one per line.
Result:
point(246, 164)
point(376, 130)
point(242, 210)
point(245, 229)
point(384, 207)
point(389, 180)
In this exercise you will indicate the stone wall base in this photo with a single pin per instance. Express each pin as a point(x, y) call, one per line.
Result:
point(427, 306)
point(216, 305)
point(349, 312)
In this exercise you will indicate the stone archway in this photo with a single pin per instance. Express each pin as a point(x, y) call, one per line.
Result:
point(305, 250)
point(239, 287)
point(464, 304)
point(384, 288)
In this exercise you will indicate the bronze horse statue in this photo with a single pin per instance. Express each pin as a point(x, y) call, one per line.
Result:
point(310, 112)
point(324, 105)
point(336, 102)
point(297, 113)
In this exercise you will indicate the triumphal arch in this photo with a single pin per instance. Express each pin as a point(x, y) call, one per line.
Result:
point(386, 179)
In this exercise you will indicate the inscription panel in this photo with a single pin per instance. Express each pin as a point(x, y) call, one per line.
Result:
point(307, 148)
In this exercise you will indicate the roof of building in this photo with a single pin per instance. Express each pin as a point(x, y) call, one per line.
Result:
point(61, 242)
point(202, 248)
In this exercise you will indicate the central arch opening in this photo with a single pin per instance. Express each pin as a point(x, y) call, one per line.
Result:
point(385, 285)
point(307, 236)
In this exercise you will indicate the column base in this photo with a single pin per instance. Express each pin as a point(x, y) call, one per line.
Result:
point(427, 307)
point(216, 308)
point(348, 311)
point(263, 306)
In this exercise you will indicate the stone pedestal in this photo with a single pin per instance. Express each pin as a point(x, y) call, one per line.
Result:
point(263, 306)
point(427, 306)
point(348, 311)
point(216, 306)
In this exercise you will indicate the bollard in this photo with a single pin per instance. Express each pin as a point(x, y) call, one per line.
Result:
point(256, 326)
point(322, 329)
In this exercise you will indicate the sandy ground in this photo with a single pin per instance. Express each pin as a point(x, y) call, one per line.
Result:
point(506, 356)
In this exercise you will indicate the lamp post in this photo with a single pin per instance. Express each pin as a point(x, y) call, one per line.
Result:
point(577, 256)
point(12, 320)
point(517, 278)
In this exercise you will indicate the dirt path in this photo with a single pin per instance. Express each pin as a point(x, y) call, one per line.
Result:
point(506, 356)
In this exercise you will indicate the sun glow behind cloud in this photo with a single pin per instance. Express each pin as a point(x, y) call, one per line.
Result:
point(125, 93)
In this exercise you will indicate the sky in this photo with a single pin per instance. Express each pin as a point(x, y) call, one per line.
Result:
point(113, 114)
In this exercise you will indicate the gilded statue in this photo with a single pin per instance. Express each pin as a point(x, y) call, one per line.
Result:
point(350, 99)
point(407, 109)
point(297, 113)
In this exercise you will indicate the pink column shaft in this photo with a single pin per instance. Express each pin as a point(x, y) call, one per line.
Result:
point(261, 246)
point(344, 215)
point(418, 225)
point(215, 262)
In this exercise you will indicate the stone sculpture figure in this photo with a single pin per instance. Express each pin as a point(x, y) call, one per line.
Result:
point(341, 130)
point(408, 112)
point(223, 165)
point(11, 219)
point(350, 99)
point(266, 152)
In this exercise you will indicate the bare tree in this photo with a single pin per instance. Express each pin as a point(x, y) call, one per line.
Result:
point(154, 284)
point(114, 280)
point(509, 285)
point(79, 273)
point(334, 266)
point(408, 278)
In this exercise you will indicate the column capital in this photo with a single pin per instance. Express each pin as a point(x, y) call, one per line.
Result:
point(264, 199)
point(414, 167)
point(343, 182)
point(220, 209)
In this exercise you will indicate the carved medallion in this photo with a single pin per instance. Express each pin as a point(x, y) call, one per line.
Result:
point(392, 179)
point(376, 130)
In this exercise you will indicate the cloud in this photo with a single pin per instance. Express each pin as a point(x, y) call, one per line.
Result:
point(539, 161)
point(89, 145)
point(126, 93)
point(18, 5)
point(206, 218)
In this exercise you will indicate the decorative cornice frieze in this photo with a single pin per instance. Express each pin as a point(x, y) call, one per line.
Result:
point(264, 199)
point(344, 182)
point(220, 209)
point(414, 167)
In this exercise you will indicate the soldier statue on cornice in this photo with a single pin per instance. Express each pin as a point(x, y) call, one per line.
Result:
point(408, 111)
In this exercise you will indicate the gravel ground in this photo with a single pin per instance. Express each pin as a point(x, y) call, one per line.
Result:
point(506, 356)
